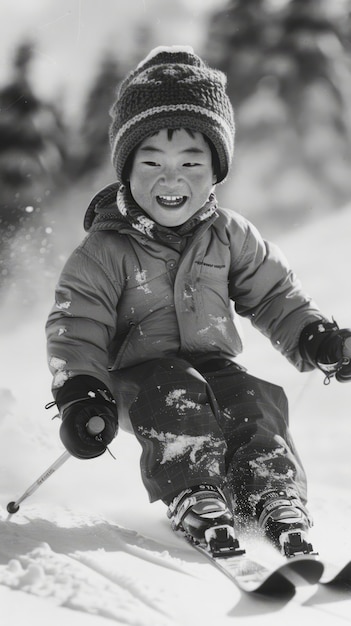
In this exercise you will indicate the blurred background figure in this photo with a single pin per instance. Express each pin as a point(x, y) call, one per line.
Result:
point(32, 152)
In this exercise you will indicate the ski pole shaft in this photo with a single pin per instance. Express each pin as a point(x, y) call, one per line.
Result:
point(94, 427)
point(13, 507)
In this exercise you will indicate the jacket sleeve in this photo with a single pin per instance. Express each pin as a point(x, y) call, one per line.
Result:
point(266, 291)
point(82, 322)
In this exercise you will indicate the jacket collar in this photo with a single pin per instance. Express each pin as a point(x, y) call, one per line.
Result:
point(114, 208)
point(103, 200)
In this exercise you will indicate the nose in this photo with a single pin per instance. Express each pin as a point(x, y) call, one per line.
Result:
point(170, 176)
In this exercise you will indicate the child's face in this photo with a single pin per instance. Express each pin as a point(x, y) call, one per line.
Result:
point(172, 176)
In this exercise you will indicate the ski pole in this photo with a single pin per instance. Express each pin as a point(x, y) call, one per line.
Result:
point(94, 427)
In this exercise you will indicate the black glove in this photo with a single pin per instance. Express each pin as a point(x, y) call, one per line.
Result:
point(325, 345)
point(80, 399)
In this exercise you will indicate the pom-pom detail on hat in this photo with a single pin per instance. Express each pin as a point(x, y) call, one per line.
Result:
point(159, 49)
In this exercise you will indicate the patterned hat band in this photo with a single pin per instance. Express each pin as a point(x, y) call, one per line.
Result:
point(158, 117)
point(164, 93)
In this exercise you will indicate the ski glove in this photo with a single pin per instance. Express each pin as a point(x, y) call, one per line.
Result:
point(80, 399)
point(328, 347)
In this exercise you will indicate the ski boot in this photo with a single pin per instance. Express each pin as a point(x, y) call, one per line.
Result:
point(203, 514)
point(286, 522)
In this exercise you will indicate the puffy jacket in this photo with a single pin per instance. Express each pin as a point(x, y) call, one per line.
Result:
point(125, 297)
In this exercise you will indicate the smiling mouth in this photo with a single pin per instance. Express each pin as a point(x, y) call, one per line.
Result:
point(171, 201)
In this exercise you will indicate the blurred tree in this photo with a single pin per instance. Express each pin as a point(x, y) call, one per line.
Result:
point(31, 142)
point(32, 150)
point(91, 149)
point(235, 42)
point(93, 142)
point(289, 81)
point(343, 20)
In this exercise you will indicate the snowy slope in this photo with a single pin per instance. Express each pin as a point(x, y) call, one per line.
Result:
point(87, 547)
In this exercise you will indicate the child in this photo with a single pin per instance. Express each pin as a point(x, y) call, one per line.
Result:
point(143, 333)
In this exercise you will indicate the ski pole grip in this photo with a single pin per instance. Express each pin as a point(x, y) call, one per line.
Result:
point(95, 425)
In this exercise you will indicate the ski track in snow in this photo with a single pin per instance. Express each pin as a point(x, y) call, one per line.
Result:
point(111, 577)
point(86, 564)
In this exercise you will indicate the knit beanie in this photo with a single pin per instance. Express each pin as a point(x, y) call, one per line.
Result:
point(172, 88)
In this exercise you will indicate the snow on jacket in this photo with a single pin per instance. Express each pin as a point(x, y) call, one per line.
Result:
point(129, 294)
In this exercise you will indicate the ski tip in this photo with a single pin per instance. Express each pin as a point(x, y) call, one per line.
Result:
point(275, 585)
point(337, 575)
point(303, 570)
point(297, 572)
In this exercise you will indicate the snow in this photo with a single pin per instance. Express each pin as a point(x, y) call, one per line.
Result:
point(176, 398)
point(87, 548)
point(175, 446)
point(140, 277)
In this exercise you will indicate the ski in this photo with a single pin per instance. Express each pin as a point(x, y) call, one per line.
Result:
point(337, 574)
point(253, 576)
point(333, 574)
point(250, 575)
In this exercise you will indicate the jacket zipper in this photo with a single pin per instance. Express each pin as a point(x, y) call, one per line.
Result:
point(123, 347)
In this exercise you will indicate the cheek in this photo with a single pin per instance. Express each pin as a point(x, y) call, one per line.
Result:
point(141, 181)
point(140, 188)
point(202, 177)
point(202, 184)
point(137, 184)
point(140, 197)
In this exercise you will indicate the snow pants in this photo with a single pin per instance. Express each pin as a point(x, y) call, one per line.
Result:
point(222, 427)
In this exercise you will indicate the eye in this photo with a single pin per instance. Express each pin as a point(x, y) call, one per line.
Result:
point(151, 163)
point(191, 164)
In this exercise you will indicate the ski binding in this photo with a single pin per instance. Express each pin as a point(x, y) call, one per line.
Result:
point(221, 542)
point(222, 549)
point(294, 543)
